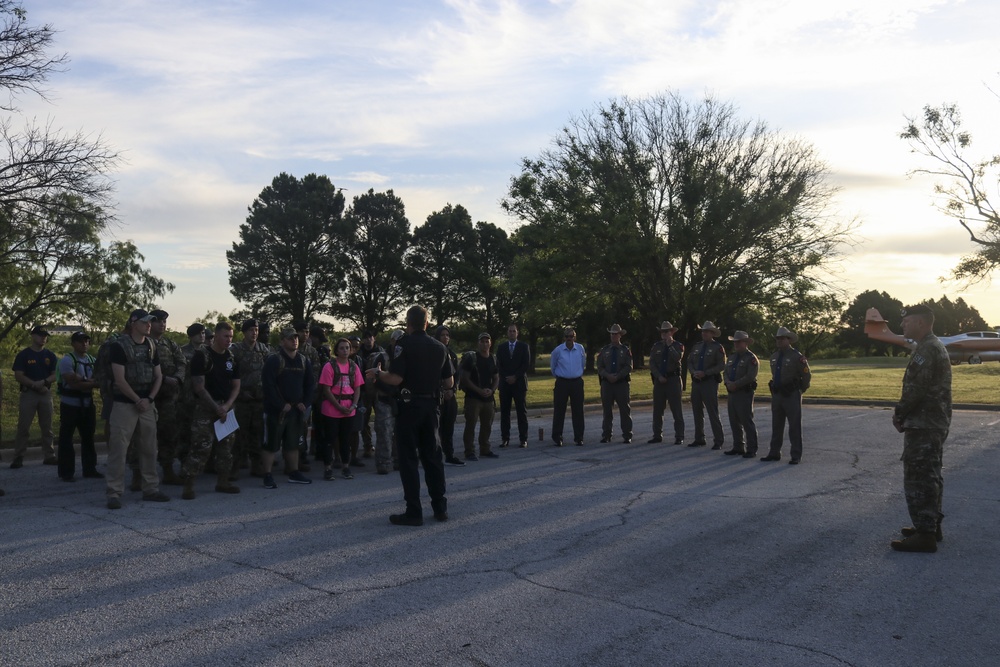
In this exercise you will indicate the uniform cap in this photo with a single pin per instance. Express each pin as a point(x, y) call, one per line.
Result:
point(289, 332)
point(195, 329)
point(139, 315)
point(485, 335)
point(159, 314)
point(919, 309)
point(39, 330)
point(79, 336)
point(249, 324)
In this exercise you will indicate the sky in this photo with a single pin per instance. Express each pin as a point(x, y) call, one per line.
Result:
point(440, 100)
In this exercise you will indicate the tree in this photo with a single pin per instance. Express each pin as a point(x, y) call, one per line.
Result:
point(54, 266)
point(55, 198)
point(940, 138)
point(443, 264)
point(494, 258)
point(290, 260)
point(852, 333)
point(378, 240)
point(955, 317)
point(662, 209)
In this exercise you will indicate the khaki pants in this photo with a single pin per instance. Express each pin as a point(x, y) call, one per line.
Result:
point(481, 411)
point(33, 403)
point(125, 419)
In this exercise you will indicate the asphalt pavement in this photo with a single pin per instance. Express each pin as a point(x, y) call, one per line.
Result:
point(606, 554)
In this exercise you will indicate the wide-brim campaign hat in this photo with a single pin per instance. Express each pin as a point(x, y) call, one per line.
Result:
point(785, 333)
point(616, 329)
point(667, 326)
point(708, 326)
point(741, 335)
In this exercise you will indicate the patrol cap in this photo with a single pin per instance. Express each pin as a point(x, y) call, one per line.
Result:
point(396, 335)
point(195, 329)
point(79, 336)
point(485, 335)
point(318, 333)
point(39, 330)
point(139, 315)
point(289, 332)
point(249, 324)
point(919, 309)
point(159, 314)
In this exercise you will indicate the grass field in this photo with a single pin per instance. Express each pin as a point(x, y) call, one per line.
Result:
point(871, 378)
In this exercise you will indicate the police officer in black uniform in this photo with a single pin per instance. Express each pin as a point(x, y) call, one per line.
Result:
point(421, 368)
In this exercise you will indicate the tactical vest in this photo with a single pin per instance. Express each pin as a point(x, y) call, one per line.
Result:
point(88, 373)
point(139, 363)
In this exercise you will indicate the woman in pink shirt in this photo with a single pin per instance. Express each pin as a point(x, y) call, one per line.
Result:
point(340, 384)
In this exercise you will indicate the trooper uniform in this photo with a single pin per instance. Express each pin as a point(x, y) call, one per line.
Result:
point(665, 370)
point(423, 363)
point(249, 407)
point(741, 383)
point(614, 371)
point(708, 357)
point(173, 364)
point(790, 377)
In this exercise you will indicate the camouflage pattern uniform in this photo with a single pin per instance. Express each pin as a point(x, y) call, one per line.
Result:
point(665, 362)
point(741, 370)
point(790, 377)
point(924, 411)
point(705, 392)
point(185, 404)
point(309, 351)
point(203, 441)
point(615, 360)
point(249, 405)
point(173, 364)
point(385, 416)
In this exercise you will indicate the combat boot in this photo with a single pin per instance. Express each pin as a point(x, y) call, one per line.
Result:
point(918, 543)
point(188, 492)
point(223, 485)
point(170, 478)
point(136, 484)
point(910, 530)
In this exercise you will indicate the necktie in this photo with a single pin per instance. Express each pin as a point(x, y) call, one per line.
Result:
point(614, 359)
point(736, 363)
point(777, 371)
point(701, 357)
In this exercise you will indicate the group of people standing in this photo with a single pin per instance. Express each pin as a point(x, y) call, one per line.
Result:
point(216, 402)
point(708, 367)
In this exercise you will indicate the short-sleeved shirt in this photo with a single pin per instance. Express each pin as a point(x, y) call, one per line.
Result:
point(222, 370)
point(422, 362)
point(35, 365)
point(341, 385)
point(118, 357)
point(480, 371)
point(84, 369)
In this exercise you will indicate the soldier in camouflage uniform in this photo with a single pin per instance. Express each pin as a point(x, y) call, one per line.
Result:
point(923, 416)
point(386, 455)
point(614, 372)
point(665, 370)
point(310, 352)
point(173, 366)
point(250, 354)
point(186, 400)
point(706, 364)
point(215, 376)
point(741, 383)
point(790, 377)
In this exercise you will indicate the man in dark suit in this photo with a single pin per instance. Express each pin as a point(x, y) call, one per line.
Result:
point(513, 360)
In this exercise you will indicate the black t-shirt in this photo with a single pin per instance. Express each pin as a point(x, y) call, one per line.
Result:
point(480, 370)
point(119, 357)
point(222, 368)
point(422, 362)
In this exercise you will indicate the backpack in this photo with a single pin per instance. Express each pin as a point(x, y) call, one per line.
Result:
point(62, 388)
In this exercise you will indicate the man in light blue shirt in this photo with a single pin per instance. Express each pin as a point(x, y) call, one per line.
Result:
point(568, 362)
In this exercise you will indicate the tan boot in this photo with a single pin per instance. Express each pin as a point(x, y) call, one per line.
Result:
point(223, 485)
point(188, 492)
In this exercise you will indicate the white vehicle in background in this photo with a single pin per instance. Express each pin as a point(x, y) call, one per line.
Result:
point(974, 347)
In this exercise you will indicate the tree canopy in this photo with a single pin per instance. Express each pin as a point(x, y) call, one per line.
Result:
point(290, 259)
point(939, 137)
point(664, 209)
